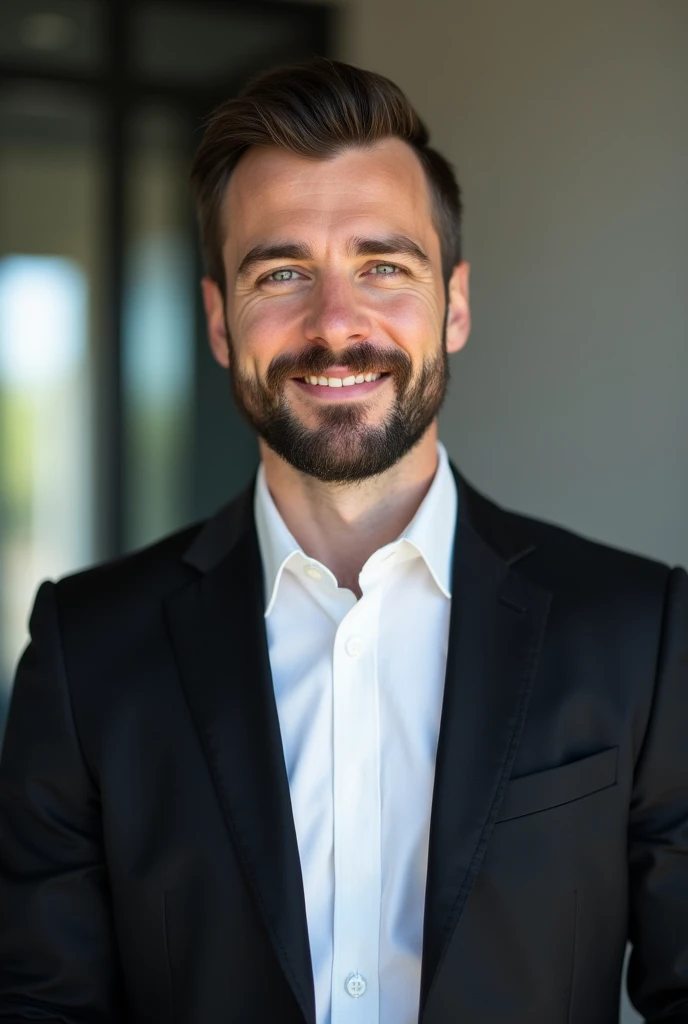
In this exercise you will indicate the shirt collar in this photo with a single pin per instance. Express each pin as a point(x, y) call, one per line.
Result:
point(430, 533)
point(432, 529)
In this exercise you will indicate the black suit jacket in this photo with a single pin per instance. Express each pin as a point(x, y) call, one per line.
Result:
point(149, 870)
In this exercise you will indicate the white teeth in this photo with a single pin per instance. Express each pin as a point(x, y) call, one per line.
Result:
point(338, 382)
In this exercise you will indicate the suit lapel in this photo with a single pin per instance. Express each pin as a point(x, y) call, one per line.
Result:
point(497, 623)
point(218, 634)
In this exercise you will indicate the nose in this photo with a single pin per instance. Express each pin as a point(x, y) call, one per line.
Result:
point(336, 316)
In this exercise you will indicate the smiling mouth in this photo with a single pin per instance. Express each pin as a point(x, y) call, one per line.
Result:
point(338, 388)
point(341, 382)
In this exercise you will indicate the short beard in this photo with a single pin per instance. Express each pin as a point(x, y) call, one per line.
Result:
point(342, 449)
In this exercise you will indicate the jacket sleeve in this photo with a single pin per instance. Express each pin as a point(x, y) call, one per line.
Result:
point(658, 831)
point(58, 959)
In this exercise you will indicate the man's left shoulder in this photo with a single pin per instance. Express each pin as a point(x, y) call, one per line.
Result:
point(560, 558)
point(563, 559)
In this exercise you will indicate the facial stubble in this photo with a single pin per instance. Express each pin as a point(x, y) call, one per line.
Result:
point(343, 448)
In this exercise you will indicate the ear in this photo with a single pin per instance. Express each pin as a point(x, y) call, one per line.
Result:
point(459, 318)
point(215, 316)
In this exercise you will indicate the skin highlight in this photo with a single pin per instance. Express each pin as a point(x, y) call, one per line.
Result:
point(307, 291)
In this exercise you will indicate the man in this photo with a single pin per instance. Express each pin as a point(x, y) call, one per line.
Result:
point(364, 748)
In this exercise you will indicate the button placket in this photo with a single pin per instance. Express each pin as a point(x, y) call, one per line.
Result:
point(357, 859)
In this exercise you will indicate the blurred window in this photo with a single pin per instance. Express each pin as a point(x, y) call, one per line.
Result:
point(159, 335)
point(45, 456)
point(60, 34)
point(50, 228)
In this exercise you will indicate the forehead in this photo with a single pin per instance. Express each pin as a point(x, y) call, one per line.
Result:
point(275, 193)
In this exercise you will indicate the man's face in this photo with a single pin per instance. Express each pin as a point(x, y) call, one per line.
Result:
point(333, 270)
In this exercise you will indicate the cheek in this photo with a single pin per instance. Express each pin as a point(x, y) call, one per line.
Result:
point(263, 330)
point(411, 316)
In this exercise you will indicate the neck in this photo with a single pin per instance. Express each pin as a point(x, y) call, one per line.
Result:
point(342, 525)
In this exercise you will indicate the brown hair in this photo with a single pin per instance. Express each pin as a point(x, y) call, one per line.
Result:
point(316, 109)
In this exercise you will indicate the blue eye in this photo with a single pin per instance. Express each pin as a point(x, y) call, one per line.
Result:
point(384, 269)
point(282, 275)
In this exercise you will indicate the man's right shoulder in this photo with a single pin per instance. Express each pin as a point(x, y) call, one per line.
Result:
point(125, 597)
point(127, 589)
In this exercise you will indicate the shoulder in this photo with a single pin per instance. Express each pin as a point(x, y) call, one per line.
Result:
point(606, 603)
point(123, 595)
point(570, 549)
point(564, 556)
point(145, 575)
point(562, 559)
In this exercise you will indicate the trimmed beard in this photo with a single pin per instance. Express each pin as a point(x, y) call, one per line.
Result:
point(342, 448)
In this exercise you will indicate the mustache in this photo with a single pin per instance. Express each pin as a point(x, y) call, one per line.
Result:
point(361, 358)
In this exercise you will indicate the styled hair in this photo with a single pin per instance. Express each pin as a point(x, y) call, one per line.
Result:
point(316, 109)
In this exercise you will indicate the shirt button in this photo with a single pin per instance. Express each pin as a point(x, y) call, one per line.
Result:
point(356, 985)
point(354, 646)
point(312, 571)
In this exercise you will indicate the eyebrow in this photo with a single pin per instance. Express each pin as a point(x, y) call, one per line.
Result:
point(264, 252)
point(389, 245)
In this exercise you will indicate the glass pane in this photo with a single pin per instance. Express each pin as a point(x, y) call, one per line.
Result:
point(180, 44)
point(48, 34)
point(50, 201)
point(159, 327)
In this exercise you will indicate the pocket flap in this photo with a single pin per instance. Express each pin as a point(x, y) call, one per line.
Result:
point(561, 785)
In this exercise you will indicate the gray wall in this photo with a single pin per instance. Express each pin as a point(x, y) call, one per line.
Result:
point(567, 123)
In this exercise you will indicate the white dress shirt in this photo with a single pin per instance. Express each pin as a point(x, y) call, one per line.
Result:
point(358, 686)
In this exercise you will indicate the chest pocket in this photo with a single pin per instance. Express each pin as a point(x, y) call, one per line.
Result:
point(556, 786)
